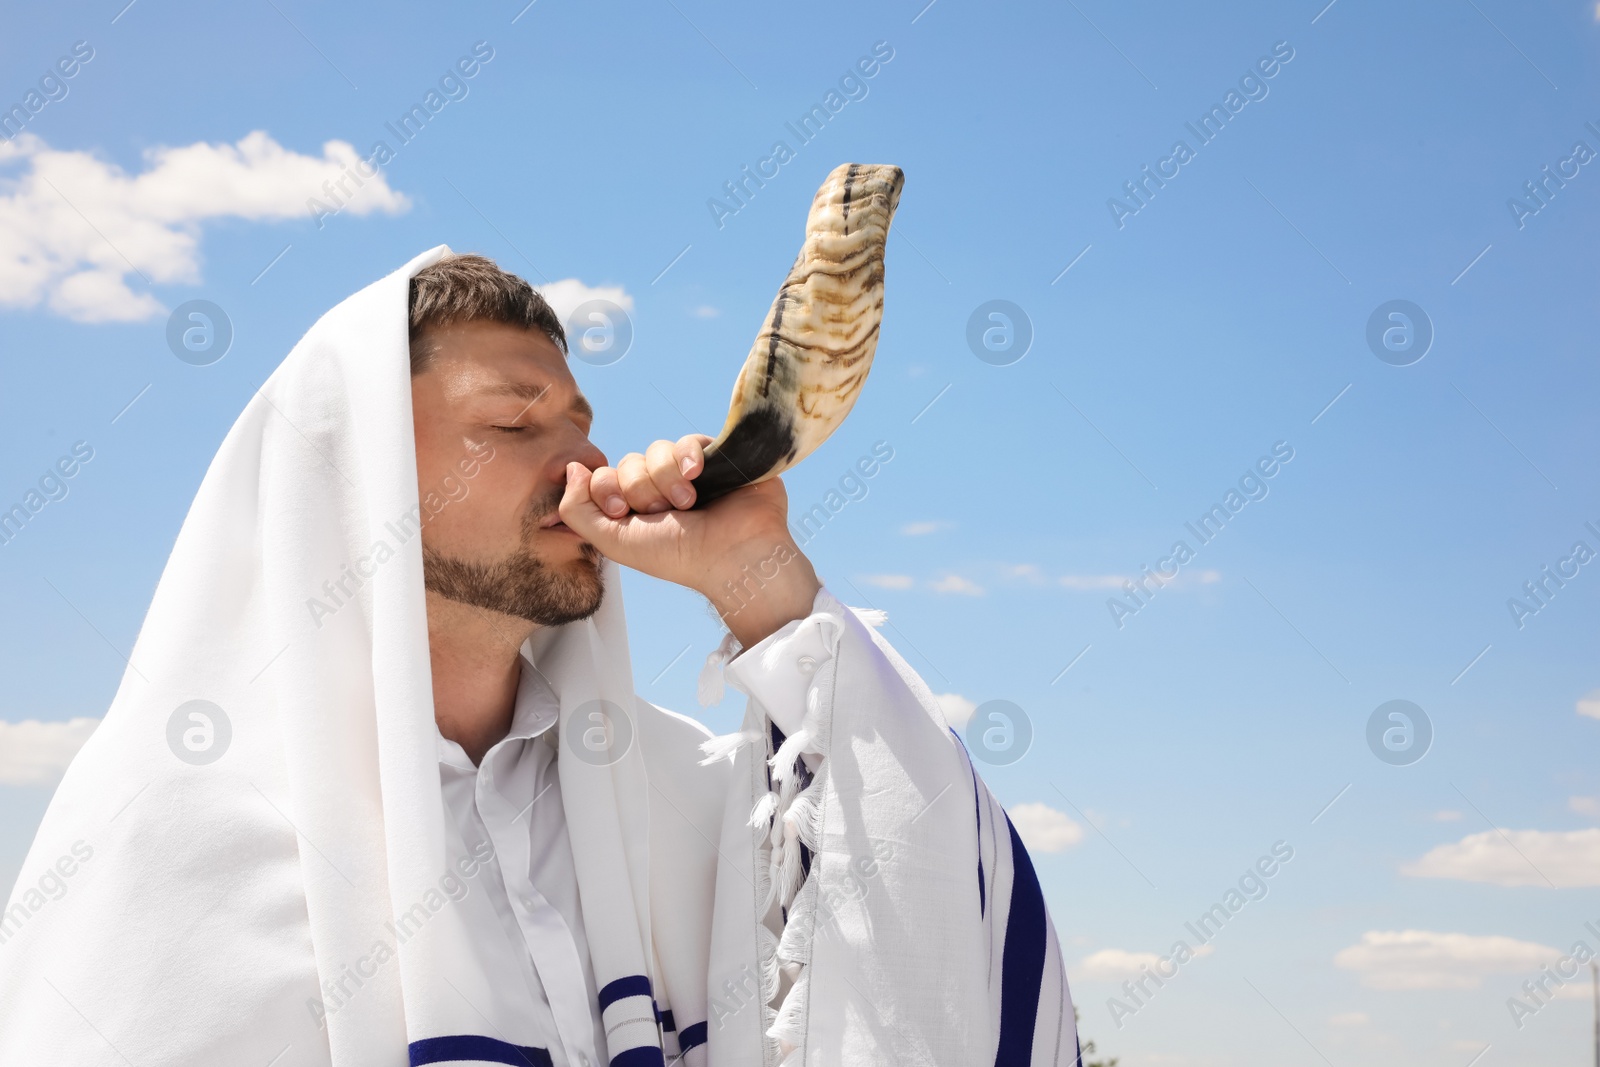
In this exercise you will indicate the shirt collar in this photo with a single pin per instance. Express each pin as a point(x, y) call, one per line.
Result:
point(537, 709)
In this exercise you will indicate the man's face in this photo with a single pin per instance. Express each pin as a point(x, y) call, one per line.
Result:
point(498, 417)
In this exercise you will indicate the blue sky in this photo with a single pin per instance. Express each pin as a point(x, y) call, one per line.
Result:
point(1221, 318)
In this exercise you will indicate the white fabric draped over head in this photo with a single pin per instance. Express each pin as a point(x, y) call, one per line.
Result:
point(293, 602)
point(255, 833)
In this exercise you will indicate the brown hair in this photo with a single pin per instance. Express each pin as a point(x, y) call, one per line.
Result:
point(466, 288)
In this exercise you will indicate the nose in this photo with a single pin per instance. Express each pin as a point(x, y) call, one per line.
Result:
point(591, 456)
point(583, 451)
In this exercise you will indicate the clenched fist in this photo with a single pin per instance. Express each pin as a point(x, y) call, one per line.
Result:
point(737, 551)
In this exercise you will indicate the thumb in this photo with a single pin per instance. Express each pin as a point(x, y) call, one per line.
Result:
point(578, 509)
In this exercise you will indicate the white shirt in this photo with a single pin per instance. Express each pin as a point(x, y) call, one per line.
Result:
point(522, 960)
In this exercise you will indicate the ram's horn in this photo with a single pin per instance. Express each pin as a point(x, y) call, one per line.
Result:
point(812, 355)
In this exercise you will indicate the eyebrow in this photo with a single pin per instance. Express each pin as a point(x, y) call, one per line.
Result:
point(534, 393)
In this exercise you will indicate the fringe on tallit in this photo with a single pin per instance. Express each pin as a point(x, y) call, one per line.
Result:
point(788, 816)
point(712, 687)
point(873, 617)
point(726, 746)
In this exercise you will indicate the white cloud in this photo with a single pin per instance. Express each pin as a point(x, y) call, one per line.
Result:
point(35, 753)
point(568, 294)
point(1447, 815)
point(1184, 579)
point(1044, 829)
point(1577, 990)
point(954, 583)
point(74, 229)
point(705, 311)
point(918, 529)
point(957, 709)
point(1115, 964)
point(1423, 959)
point(1589, 806)
point(1027, 571)
point(1350, 1018)
point(1569, 858)
point(1092, 581)
point(948, 583)
point(1589, 704)
point(1102, 819)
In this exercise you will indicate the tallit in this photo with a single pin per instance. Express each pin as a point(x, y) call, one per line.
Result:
point(848, 893)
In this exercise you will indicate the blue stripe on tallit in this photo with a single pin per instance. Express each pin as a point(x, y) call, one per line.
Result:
point(1022, 966)
point(665, 1019)
point(472, 1048)
point(692, 1036)
point(977, 814)
point(635, 985)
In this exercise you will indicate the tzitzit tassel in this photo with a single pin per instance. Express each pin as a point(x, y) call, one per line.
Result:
point(712, 687)
point(873, 617)
point(761, 814)
point(726, 746)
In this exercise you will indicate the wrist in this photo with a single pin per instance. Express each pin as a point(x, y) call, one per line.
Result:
point(759, 589)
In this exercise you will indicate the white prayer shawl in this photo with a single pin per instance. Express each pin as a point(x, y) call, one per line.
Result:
point(861, 899)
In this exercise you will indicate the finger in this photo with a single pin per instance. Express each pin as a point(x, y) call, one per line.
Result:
point(578, 508)
point(691, 450)
point(633, 475)
point(661, 459)
point(606, 492)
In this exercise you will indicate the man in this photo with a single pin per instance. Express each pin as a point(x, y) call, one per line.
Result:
point(376, 788)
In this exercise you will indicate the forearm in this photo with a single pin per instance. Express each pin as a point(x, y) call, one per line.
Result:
point(760, 587)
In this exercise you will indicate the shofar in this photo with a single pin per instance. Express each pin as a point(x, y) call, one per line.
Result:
point(813, 353)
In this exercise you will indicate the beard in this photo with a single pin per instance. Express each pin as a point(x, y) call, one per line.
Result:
point(521, 584)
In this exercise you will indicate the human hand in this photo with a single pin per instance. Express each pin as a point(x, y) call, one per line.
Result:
point(737, 551)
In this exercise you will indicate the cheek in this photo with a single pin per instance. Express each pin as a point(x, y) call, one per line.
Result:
point(474, 519)
point(498, 500)
point(438, 454)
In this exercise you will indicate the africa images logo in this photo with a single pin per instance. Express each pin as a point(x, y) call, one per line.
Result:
point(199, 732)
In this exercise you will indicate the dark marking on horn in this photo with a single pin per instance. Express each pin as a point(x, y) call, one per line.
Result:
point(762, 440)
point(849, 176)
point(777, 339)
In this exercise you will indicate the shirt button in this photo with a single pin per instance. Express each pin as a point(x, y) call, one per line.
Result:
point(527, 902)
point(807, 664)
